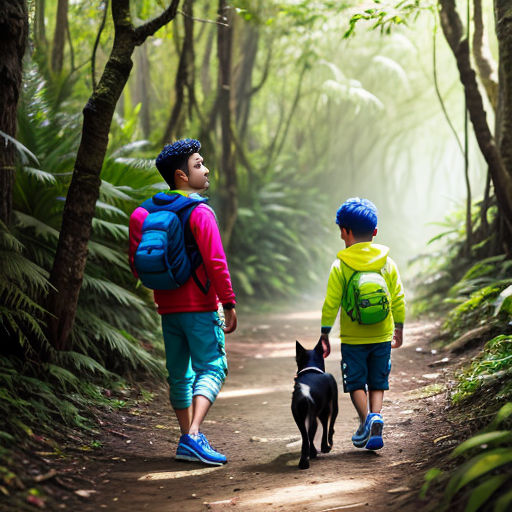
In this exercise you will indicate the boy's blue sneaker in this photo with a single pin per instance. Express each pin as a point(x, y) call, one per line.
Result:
point(360, 438)
point(197, 448)
point(375, 426)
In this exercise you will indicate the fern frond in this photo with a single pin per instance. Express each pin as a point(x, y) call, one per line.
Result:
point(106, 228)
point(112, 291)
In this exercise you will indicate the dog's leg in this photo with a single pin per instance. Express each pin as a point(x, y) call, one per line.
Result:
point(334, 410)
point(312, 431)
point(324, 419)
point(300, 414)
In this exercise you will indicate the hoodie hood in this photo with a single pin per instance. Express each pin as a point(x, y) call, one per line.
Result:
point(364, 256)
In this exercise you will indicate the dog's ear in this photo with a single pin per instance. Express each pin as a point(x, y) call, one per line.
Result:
point(299, 349)
point(319, 347)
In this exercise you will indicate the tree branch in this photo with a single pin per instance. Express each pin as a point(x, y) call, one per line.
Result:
point(96, 43)
point(150, 27)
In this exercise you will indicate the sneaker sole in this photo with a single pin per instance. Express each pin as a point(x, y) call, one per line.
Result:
point(193, 456)
point(375, 441)
point(360, 443)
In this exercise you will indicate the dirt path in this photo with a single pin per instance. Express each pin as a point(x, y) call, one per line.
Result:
point(252, 424)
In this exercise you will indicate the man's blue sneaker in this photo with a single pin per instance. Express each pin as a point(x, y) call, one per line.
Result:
point(360, 438)
point(196, 448)
point(375, 426)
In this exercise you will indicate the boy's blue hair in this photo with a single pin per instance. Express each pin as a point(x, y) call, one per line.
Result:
point(358, 215)
point(175, 156)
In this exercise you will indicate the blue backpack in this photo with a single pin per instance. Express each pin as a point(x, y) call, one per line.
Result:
point(167, 255)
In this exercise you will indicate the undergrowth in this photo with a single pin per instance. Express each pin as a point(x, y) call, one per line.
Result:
point(475, 297)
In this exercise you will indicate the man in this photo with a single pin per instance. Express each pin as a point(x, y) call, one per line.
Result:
point(193, 332)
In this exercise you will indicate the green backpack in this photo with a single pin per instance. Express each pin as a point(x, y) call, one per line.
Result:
point(366, 298)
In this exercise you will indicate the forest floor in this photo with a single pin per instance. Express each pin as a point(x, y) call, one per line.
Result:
point(251, 423)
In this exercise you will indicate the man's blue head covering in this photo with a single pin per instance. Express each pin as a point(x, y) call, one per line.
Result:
point(172, 156)
point(358, 215)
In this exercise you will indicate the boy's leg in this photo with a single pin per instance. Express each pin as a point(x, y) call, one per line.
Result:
point(379, 366)
point(355, 374)
point(360, 401)
point(376, 399)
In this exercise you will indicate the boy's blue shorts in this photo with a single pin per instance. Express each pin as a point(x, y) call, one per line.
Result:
point(365, 366)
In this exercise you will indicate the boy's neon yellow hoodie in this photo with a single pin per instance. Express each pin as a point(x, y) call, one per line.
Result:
point(363, 256)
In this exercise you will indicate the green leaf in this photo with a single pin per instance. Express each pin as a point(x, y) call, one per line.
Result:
point(501, 416)
point(23, 151)
point(484, 491)
point(476, 467)
point(503, 503)
point(487, 438)
point(430, 476)
point(501, 302)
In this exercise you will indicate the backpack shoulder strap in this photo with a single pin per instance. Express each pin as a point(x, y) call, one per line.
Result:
point(191, 245)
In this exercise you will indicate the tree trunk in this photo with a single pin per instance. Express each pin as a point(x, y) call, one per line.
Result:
point(483, 58)
point(39, 24)
point(499, 163)
point(229, 195)
point(70, 259)
point(243, 79)
point(184, 79)
point(142, 94)
point(502, 9)
point(59, 36)
point(13, 41)
point(206, 83)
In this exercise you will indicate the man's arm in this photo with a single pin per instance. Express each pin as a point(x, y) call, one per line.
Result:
point(137, 219)
point(206, 233)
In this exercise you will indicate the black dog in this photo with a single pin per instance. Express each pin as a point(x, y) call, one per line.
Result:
point(315, 396)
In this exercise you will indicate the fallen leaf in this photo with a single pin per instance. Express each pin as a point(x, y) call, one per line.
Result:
point(46, 476)
point(85, 493)
point(34, 500)
point(441, 438)
point(397, 490)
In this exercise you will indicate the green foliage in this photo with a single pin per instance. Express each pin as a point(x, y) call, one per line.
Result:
point(385, 16)
point(22, 283)
point(113, 315)
point(268, 258)
point(483, 474)
point(493, 365)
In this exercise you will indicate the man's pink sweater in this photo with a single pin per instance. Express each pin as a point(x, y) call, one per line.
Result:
point(189, 298)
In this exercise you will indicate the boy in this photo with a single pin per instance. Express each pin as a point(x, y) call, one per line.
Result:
point(366, 340)
point(192, 331)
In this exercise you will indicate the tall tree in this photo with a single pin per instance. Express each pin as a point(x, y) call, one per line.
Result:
point(229, 193)
point(142, 89)
point(59, 36)
point(39, 23)
point(68, 268)
point(185, 79)
point(497, 155)
point(13, 40)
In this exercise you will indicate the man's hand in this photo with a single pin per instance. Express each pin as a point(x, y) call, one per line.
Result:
point(324, 338)
point(230, 320)
point(398, 337)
